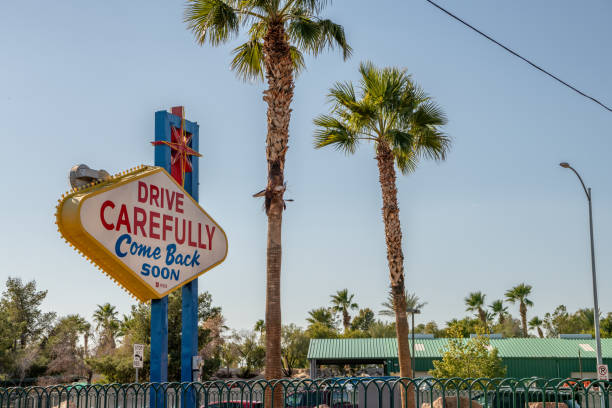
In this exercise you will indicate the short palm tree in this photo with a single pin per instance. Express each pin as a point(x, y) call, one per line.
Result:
point(500, 310)
point(391, 111)
point(518, 294)
point(536, 323)
point(107, 324)
point(474, 302)
point(279, 31)
point(322, 316)
point(342, 302)
point(413, 302)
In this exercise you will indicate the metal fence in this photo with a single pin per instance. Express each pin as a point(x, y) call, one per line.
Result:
point(333, 393)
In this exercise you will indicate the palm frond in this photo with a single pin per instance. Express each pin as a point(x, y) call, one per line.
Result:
point(331, 131)
point(248, 60)
point(432, 143)
point(405, 160)
point(399, 139)
point(298, 60)
point(313, 6)
point(213, 21)
point(313, 35)
point(428, 114)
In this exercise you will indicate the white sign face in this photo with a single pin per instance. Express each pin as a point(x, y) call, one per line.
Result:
point(155, 229)
point(602, 372)
point(138, 355)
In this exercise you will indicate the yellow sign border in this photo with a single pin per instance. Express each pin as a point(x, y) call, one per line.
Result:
point(68, 220)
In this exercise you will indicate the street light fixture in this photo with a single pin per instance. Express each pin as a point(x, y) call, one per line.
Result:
point(412, 313)
point(587, 191)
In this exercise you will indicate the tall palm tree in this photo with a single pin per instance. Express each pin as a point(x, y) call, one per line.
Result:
point(279, 32)
point(474, 302)
point(413, 302)
point(391, 111)
point(107, 324)
point(500, 310)
point(342, 302)
point(518, 294)
point(536, 323)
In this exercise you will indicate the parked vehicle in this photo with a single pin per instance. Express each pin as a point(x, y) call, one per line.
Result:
point(234, 404)
point(310, 399)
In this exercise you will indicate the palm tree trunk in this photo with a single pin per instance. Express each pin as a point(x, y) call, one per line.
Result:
point(346, 321)
point(523, 311)
point(278, 96)
point(395, 258)
point(483, 317)
point(540, 333)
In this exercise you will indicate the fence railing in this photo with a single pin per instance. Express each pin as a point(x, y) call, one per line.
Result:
point(366, 392)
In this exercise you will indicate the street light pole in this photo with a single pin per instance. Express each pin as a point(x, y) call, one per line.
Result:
point(587, 191)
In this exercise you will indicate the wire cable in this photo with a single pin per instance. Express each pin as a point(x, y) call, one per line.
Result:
point(519, 56)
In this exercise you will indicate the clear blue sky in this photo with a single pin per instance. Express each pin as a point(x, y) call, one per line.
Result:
point(80, 82)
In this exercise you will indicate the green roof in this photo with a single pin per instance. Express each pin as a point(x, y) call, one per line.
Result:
point(347, 349)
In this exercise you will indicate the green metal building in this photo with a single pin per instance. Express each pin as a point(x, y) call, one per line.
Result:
point(523, 357)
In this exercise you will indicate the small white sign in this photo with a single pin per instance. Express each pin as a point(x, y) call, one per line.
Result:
point(602, 372)
point(138, 355)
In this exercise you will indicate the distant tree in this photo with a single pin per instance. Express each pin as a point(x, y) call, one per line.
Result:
point(509, 329)
point(605, 326)
point(342, 302)
point(413, 302)
point(561, 321)
point(21, 305)
point(518, 294)
point(380, 329)
point(107, 325)
point(536, 324)
point(23, 330)
point(321, 331)
point(251, 353)
point(260, 326)
point(428, 328)
point(363, 320)
point(229, 357)
point(463, 327)
point(475, 302)
point(211, 341)
point(294, 348)
point(66, 357)
point(322, 316)
point(500, 310)
point(468, 358)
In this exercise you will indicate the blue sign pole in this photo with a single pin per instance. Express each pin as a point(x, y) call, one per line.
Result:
point(189, 315)
point(159, 307)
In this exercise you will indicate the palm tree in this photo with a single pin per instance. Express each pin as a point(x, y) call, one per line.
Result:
point(322, 316)
point(402, 121)
point(536, 323)
point(500, 310)
point(107, 324)
point(413, 302)
point(260, 326)
point(342, 302)
point(475, 302)
point(518, 294)
point(279, 32)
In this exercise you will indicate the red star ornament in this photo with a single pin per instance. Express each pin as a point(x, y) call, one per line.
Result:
point(180, 150)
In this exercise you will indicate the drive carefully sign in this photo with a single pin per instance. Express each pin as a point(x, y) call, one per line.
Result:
point(144, 230)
